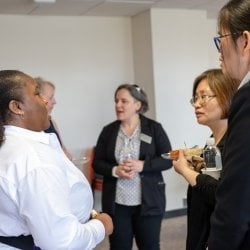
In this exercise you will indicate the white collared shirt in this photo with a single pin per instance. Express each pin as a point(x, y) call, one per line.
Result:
point(42, 193)
point(245, 79)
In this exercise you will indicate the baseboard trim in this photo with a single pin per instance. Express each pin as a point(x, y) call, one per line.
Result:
point(175, 213)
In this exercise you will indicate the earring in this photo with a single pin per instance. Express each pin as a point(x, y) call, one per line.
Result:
point(21, 113)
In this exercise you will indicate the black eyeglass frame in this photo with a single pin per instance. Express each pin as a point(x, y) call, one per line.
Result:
point(217, 39)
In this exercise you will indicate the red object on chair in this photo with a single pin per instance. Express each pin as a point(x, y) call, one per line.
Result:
point(96, 181)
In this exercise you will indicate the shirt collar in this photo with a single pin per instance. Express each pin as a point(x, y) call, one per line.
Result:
point(26, 133)
point(245, 79)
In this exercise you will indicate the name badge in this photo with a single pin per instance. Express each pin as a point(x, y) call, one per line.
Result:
point(146, 138)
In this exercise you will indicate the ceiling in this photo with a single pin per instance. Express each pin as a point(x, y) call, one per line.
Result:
point(103, 7)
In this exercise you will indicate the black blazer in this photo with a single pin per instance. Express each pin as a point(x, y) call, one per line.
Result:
point(201, 203)
point(153, 186)
point(230, 223)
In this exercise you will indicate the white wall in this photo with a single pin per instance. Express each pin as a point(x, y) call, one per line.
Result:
point(86, 58)
point(182, 48)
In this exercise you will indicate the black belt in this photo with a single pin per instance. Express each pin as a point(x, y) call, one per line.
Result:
point(21, 242)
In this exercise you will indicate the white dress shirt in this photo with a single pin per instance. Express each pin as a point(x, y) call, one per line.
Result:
point(43, 194)
point(245, 79)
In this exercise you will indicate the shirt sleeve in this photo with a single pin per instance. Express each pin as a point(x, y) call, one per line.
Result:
point(44, 197)
point(206, 186)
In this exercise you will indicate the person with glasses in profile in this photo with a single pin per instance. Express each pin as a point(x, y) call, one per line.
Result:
point(230, 221)
point(128, 155)
point(212, 94)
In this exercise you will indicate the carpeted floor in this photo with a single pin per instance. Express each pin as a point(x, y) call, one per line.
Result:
point(173, 235)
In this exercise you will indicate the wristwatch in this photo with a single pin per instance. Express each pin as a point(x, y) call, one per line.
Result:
point(94, 213)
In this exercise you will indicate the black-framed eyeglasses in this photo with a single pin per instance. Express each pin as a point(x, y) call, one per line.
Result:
point(203, 99)
point(217, 40)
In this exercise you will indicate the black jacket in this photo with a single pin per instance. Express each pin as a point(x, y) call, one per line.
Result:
point(201, 203)
point(153, 186)
point(230, 223)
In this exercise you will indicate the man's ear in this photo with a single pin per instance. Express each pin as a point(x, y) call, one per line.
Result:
point(14, 107)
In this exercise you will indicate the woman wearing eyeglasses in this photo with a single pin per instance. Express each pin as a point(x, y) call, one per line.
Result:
point(128, 155)
point(212, 94)
point(230, 222)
